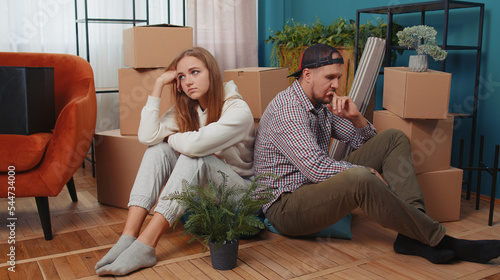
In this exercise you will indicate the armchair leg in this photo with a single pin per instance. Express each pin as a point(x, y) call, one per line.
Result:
point(72, 190)
point(42, 203)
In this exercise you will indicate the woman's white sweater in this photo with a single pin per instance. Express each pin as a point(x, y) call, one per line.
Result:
point(231, 138)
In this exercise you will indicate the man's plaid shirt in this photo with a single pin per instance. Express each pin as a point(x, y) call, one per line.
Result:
point(293, 138)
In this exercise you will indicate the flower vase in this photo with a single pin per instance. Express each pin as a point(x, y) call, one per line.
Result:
point(226, 256)
point(418, 63)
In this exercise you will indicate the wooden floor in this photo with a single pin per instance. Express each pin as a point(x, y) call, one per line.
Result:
point(84, 232)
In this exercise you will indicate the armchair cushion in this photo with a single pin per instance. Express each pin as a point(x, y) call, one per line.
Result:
point(23, 151)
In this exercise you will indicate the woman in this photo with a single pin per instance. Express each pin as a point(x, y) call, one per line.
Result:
point(210, 128)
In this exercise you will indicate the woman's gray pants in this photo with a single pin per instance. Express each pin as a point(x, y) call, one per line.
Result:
point(162, 166)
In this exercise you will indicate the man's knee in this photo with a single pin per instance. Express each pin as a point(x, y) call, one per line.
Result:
point(365, 184)
point(394, 135)
point(363, 174)
point(393, 132)
point(359, 178)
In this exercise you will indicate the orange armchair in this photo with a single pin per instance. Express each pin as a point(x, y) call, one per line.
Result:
point(45, 162)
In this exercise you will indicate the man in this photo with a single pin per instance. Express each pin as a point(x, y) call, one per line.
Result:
point(315, 191)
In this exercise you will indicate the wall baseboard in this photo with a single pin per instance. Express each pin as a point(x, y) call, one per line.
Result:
point(482, 197)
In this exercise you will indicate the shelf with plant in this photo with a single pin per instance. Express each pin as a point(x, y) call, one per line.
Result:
point(218, 214)
point(290, 42)
point(421, 38)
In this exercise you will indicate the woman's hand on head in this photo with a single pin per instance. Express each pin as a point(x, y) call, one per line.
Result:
point(169, 77)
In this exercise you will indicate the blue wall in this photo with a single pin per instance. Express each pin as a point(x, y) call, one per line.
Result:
point(463, 26)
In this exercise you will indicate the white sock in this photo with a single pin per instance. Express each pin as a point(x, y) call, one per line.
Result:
point(137, 255)
point(120, 246)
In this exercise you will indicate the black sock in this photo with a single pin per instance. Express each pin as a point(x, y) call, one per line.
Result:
point(408, 246)
point(479, 251)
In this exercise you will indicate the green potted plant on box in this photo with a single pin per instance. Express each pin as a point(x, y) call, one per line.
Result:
point(219, 215)
point(290, 42)
point(421, 38)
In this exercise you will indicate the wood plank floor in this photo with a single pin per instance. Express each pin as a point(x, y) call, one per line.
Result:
point(84, 232)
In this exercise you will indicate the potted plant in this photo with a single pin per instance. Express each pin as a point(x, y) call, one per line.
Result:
point(421, 38)
point(219, 215)
point(294, 38)
point(290, 42)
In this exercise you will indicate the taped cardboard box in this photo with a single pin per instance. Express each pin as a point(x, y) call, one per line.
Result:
point(118, 159)
point(442, 193)
point(27, 102)
point(153, 46)
point(258, 85)
point(430, 140)
point(416, 95)
point(135, 85)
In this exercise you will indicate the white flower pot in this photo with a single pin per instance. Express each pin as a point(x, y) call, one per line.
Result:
point(418, 63)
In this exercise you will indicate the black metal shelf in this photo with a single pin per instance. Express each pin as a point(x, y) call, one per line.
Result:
point(423, 8)
point(447, 47)
point(111, 20)
point(106, 90)
point(86, 21)
point(461, 115)
point(420, 7)
point(442, 5)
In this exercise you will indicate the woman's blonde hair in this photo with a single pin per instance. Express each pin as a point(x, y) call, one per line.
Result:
point(186, 108)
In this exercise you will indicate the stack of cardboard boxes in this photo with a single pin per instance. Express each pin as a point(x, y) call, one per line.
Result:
point(417, 104)
point(258, 86)
point(147, 50)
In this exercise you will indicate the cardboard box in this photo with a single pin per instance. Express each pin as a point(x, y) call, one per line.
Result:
point(27, 103)
point(258, 85)
point(117, 161)
point(412, 95)
point(135, 85)
point(430, 140)
point(442, 193)
point(154, 46)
